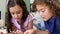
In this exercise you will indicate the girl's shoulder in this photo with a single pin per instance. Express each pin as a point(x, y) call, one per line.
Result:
point(28, 20)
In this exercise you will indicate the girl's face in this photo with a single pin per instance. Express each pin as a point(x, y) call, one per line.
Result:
point(16, 12)
point(44, 11)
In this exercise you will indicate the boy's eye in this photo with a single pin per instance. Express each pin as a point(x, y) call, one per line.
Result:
point(42, 11)
point(38, 10)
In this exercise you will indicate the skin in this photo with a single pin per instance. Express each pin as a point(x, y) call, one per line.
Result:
point(16, 12)
point(34, 31)
point(45, 12)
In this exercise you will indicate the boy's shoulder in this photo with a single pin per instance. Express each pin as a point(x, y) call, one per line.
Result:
point(58, 19)
point(57, 24)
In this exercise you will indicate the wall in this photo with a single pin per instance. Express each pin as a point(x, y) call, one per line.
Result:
point(3, 8)
point(27, 4)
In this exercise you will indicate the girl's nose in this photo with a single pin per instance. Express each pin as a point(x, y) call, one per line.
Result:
point(16, 16)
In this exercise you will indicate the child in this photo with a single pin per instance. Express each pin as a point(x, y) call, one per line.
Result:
point(50, 13)
point(18, 19)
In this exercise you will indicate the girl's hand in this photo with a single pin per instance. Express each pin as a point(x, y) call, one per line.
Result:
point(31, 31)
point(16, 32)
point(1, 33)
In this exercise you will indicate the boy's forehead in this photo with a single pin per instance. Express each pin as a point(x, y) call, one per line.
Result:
point(41, 6)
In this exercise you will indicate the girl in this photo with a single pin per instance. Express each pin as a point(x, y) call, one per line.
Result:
point(50, 12)
point(17, 17)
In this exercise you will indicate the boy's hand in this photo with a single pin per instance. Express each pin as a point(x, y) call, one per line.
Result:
point(42, 32)
point(32, 31)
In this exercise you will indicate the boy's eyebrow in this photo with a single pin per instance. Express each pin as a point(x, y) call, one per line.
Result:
point(41, 9)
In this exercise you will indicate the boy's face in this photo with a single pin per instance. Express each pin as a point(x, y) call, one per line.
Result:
point(44, 11)
point(16, 12)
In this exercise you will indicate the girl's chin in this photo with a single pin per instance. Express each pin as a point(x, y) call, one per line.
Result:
point(18, 20)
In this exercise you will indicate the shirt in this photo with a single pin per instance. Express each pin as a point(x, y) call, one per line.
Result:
point(53, 25)
point(27, 21)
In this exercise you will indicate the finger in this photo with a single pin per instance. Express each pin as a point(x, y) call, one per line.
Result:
point(18, 32)
point(0, 32)
point(13, 32)
point(29, 32)
point(46, 30)
point(26, 32)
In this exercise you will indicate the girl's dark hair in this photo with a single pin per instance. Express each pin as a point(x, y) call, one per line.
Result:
point(53, 4)
point(12, 3)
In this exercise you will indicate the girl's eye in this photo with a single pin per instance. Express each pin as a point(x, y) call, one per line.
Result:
point(19, 12)
point(12, 13)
